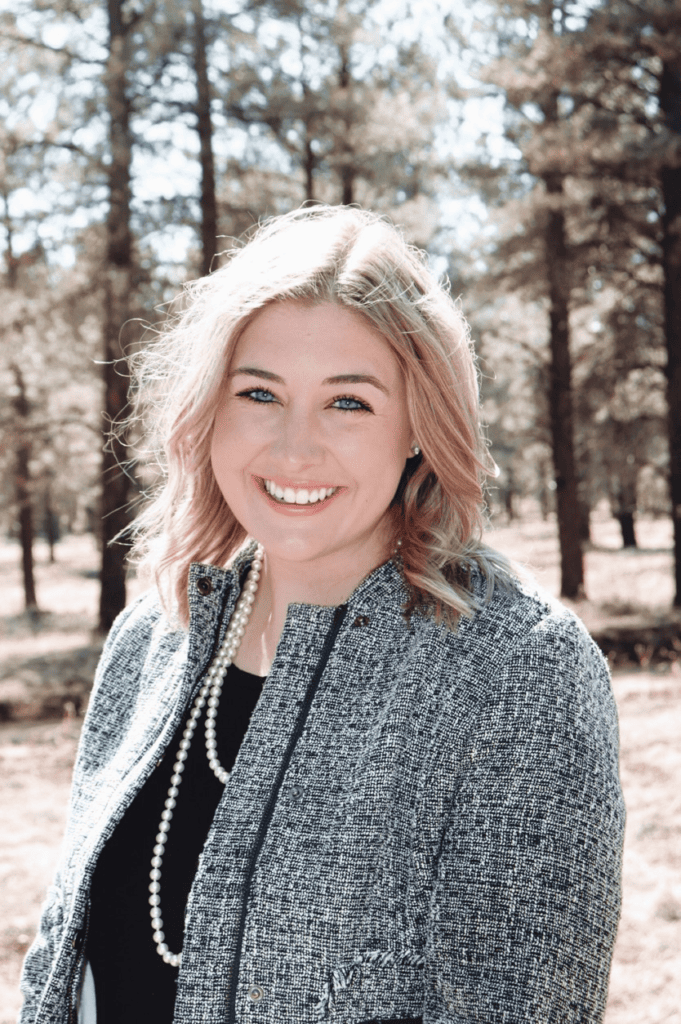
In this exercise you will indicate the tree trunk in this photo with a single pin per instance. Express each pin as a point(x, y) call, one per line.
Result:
point(204, 126)
point(347, 182)
point(51, 523)
point(310, 162)
point(584, 522)
point(23, 490)
point(544, 494)
point(11, 263)
point(560, 391)
point(626, 521)
point(119, 283)
point(670, 104)
point(22, 457)
point(347, 169)
point(560, 388)
point(624, 480)
point(508, 495)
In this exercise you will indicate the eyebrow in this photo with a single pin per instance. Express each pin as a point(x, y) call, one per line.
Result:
point(341, 378)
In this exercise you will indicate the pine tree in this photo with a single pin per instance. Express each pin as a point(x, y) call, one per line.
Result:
point(638, 111)
point(670, 182)
point(352, 123)
point(528, 73)
point(119, 289)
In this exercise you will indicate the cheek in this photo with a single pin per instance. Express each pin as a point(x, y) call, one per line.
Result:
point(230, 433)
point(224, 444)
point(383, 459)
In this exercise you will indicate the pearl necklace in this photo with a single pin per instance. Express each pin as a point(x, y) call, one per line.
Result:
point(210, 694)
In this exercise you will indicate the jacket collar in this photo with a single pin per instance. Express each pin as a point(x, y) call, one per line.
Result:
point(383, 585)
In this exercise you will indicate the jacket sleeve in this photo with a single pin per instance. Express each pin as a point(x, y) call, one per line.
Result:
point(528, 888)
point(40, 958)
point(41, 954)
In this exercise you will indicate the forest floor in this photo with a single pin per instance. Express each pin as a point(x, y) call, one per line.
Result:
point(60, 649)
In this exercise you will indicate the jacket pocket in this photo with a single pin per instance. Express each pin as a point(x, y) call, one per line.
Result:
point(382, 986)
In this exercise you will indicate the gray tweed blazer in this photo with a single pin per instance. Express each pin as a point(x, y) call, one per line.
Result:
point(420, 826)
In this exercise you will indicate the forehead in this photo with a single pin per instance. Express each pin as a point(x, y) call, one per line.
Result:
point(325, 332)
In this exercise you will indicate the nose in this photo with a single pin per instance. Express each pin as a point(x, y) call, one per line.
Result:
point(298, 442)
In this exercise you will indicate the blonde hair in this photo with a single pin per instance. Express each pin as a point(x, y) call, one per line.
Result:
point(360, 261)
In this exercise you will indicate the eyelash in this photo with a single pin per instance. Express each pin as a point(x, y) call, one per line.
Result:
point(364, 406)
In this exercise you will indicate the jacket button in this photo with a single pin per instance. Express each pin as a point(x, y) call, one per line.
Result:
point(204, 586)
point(256, 993)
point(296, 792)
point(361, 620)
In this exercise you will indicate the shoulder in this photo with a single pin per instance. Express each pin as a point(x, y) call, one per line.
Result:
point(137, 622)
point(526, 653)
point(141, 654)
point(141, 631)
point(544, 674)
point(522, 621)
point(142, 613)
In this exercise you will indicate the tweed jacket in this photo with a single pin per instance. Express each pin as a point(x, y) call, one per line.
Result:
point(421, 825)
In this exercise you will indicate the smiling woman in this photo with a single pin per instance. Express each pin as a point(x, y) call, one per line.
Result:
point(406, 807)
point(354, 282)
point(302, 448)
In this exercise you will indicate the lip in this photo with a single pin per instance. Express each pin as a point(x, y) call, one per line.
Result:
point(294, 510)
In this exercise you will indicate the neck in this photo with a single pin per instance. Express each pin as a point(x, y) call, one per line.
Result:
point(327, 582)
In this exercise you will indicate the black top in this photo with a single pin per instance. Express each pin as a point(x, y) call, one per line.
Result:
point(132, 982)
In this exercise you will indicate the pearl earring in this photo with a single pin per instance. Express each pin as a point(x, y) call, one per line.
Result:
point(416, 450)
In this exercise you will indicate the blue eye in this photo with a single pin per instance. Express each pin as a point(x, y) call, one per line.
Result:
point(344, 403)
point(260, 395)
point(349, 404)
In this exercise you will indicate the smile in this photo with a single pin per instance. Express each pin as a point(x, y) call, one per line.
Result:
point(301, 496)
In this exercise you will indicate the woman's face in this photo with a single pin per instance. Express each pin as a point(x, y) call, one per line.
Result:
point(312, 435)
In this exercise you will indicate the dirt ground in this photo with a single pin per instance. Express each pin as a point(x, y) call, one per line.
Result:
point(36, 757)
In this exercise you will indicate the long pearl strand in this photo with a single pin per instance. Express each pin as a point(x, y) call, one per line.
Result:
point(210, 694)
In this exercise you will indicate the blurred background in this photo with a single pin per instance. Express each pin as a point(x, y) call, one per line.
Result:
point(532, 147)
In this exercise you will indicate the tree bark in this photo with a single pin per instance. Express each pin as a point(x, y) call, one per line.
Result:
point(51, 523)
point(584, 522)
point(204, 127)
point(23, 490)
point(624, 480)
point(560, 387)
point(508, 495)
point(11, 263)
point(560, 390)
point(670, 180)
point(22, 456)
point(544, 490)
point(626, 521)
point(310, 163)
point(347, 168)
point(118, 289)
point(347, 183)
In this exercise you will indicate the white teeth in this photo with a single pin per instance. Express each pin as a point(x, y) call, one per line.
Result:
point(300, 497)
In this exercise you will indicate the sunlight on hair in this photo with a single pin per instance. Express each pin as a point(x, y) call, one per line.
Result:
point(358, 260)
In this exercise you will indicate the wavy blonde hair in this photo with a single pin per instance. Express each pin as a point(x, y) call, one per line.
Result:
point(360, 261)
